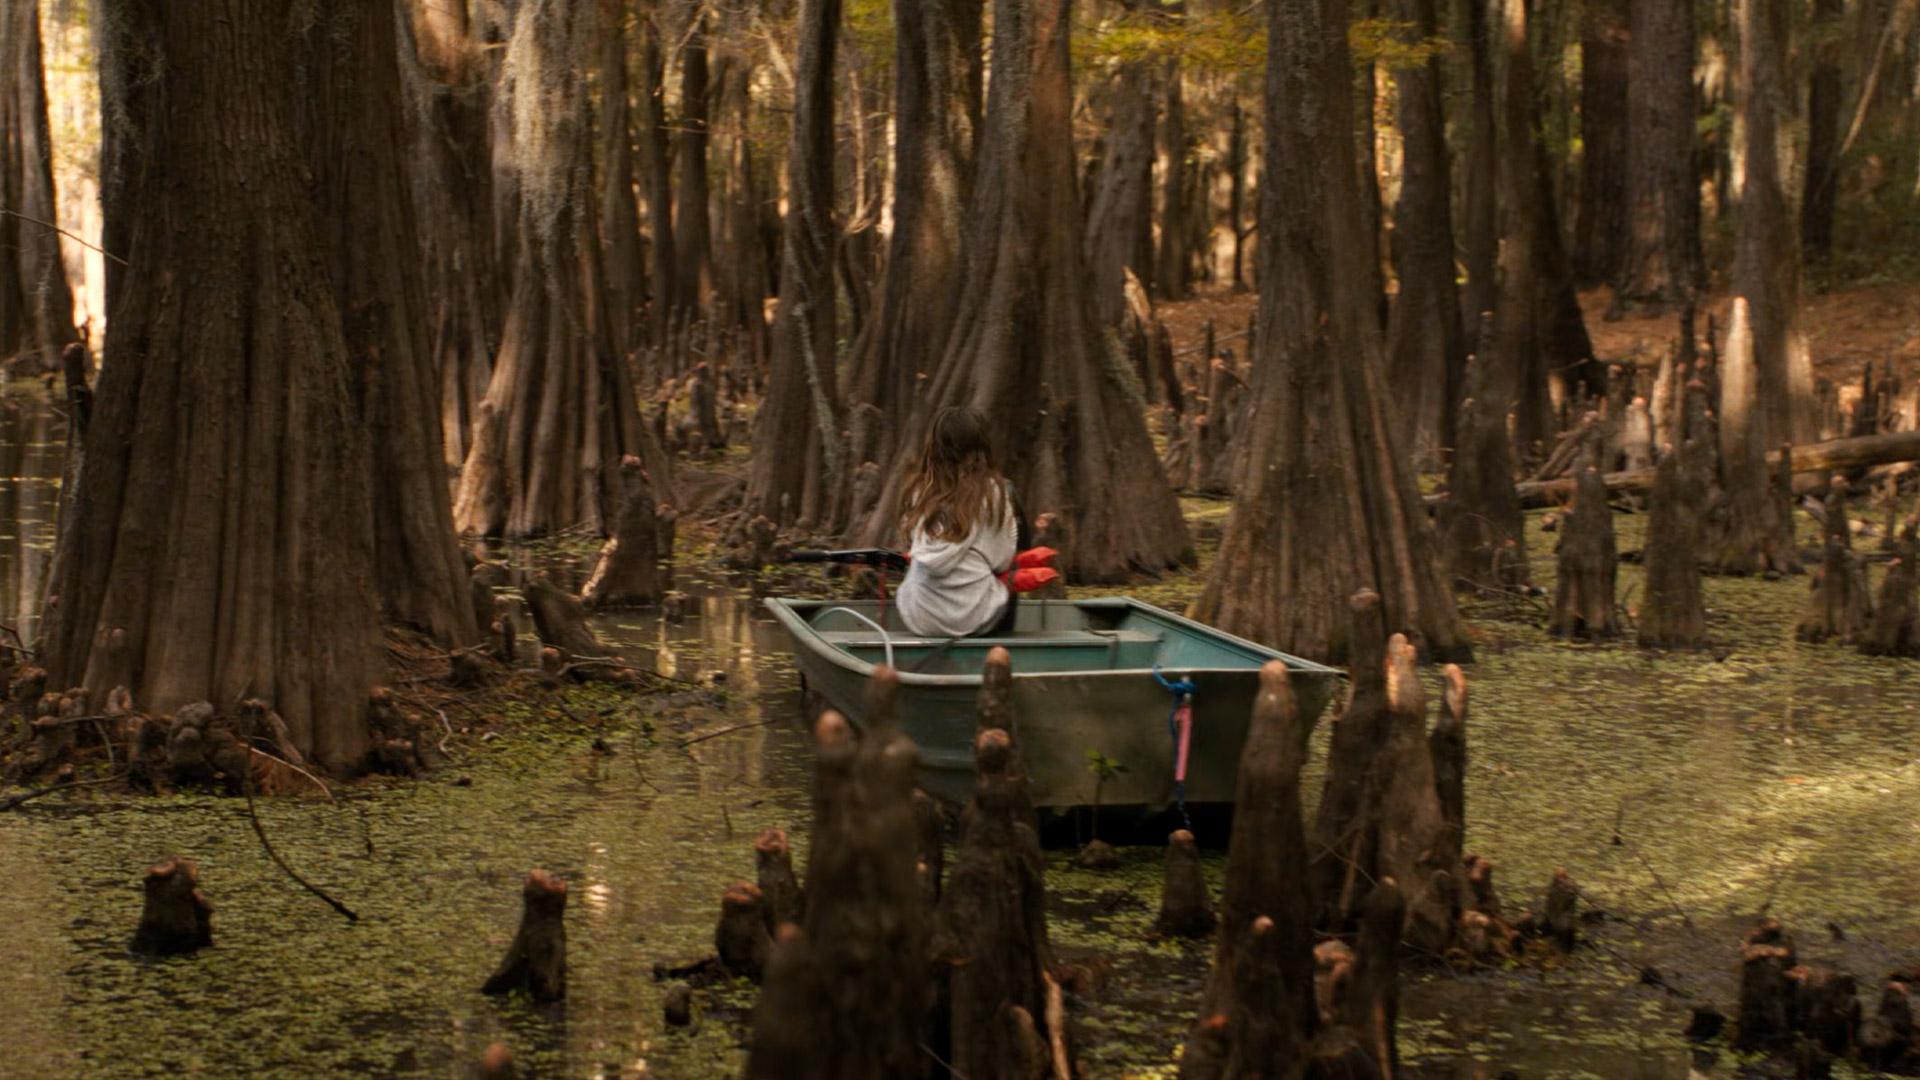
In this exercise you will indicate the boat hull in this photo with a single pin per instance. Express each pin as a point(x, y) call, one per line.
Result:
point(1101, 695)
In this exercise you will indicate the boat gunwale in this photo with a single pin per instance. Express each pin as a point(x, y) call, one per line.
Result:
point(788, 612)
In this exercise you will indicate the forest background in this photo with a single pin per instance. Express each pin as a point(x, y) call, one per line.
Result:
point(565, 245)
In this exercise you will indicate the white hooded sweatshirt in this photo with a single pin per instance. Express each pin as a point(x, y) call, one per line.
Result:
point(952, 588)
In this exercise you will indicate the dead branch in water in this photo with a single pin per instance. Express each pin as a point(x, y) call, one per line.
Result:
point(317, 782)
point(253, 816)
point(16, 800)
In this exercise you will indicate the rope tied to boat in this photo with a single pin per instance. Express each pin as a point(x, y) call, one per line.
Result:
point(1180, 729)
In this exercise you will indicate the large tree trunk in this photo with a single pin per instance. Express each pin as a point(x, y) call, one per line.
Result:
point(1327, 504)
point(560, 410)
point(937, 81)
point(744, 278)
point(1662, 262)
point(1174, 273)
point(1673, 614)
point(1480, 224)
point(1766, 265)
point(1822, 188)
point(1541, 341)
point(1237, 193)
point(799, 463)
point(656, 179)
point(229, 454)
point(692, 231)
point(1068, 414)
point(36, 306)
point(1120, 216)
point(1426, 347)
point(1483, 531)
point(366, 228)
point(1754, 534)
point(450, 86)
point(619, 214)
point(1599, 232)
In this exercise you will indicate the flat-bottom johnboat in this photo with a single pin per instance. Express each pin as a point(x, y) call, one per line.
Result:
point(1098, 676)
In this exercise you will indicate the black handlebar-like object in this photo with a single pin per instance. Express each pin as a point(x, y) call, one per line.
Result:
point(879, 557)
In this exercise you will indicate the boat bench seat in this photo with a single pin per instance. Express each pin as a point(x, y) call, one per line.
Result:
point(864, 638)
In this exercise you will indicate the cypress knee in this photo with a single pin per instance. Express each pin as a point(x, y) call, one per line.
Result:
point(536, 960)
point(740, 939)
point(780, 891)
point(1186, 910)
point(1837, 601)
point(1766, 993)
point(1895, 628)
point(1259, 1011)
point(176, 916)
point(631, 569)
point(1673, 614)
point(1563, 909)
point(1583, 597)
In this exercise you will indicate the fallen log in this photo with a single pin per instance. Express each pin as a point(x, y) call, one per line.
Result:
point(1840, 454)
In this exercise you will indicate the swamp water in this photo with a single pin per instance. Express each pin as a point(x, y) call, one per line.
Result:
point(1777, 776)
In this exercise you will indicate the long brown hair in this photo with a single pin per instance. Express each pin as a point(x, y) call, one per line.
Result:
point(954, 481)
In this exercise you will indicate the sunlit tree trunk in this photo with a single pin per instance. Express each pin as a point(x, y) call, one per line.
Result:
point(799, 455)
point(1120, 215)
point(1765, 381)
point(1541, 341)
point(937, 85)
point(36, 305)
point(1328, 502)
point(560, 411)
point(1766, 265)
point(656, 178)
point(619, 214)
point(450, 84)
point(1426, 347)
point(1067, 413)
point(692, 226)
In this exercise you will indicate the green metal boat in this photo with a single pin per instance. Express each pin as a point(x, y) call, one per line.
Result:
point(1083, 682)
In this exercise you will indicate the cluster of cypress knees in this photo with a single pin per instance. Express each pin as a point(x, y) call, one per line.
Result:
point(890, 963)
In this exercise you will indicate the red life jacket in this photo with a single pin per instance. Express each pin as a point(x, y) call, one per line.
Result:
point(1030, 570)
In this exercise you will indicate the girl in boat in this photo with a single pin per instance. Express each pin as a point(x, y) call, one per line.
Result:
point(965, 529)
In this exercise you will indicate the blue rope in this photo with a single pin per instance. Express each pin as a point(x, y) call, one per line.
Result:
point(1182, 691)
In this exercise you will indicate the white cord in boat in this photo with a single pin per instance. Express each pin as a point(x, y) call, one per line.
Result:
point(885, 638)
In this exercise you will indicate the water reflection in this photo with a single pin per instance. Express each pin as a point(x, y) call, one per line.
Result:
point(32, 453)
